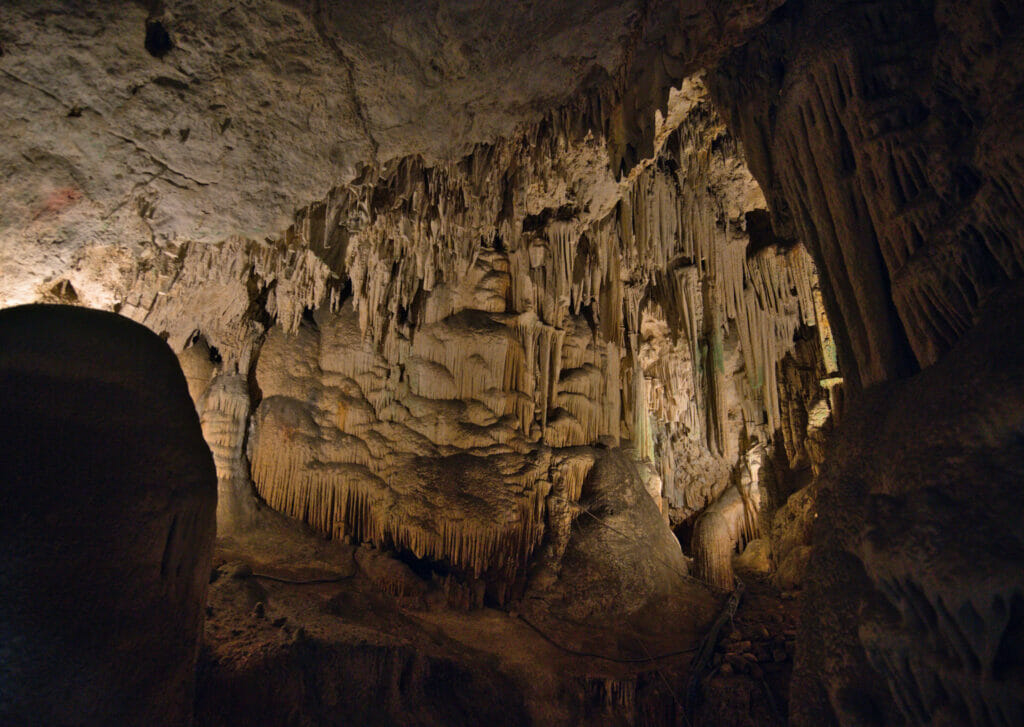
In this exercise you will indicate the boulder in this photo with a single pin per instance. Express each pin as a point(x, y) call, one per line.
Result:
point(107, 502)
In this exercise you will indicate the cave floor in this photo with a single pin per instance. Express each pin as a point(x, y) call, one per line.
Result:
point(338, 649)
point(754, 660)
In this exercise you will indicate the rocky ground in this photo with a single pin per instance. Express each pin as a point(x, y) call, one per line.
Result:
point(749, 685)
point(302, 631)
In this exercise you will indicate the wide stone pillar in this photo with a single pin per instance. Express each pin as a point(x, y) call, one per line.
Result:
point(107, 505)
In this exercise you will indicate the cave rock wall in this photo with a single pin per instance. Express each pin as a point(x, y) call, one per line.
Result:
point(887, 136)
point(431, 353)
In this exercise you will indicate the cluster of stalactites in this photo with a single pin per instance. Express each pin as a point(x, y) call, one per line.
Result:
point(518, 211)
point(556, 294)
point(355, 500)
point(779, 298)
point(211, 290)
point(704, 288)
point(437, 221)
point(672, 240)
point(717, 383)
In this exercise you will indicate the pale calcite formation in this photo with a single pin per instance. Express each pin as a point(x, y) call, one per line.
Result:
point(730, 521)
point(222, 401)
point(432, 348)
point(479, 354)
point(404, 452)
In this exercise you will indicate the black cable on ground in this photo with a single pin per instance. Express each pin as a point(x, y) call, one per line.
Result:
point(771, 702)
point(671, 691)
point(703, 662)
point(313, 581)
point(619, 660)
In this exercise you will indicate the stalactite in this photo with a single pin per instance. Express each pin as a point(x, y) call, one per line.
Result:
point(212, 292)
point(643, 441)
point(490, 326)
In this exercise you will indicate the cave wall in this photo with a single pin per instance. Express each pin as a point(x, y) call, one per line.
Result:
point(584, 211)
point(477, 323)
point(913, 610)
point(887, 137)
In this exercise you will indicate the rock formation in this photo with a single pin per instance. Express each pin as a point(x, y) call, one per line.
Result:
point(887, 137)
point(107, 522)
point(464, 329)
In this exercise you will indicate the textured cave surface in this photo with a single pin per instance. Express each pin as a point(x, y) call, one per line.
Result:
point(100, 624)
point(249, 111)
point(518, 332)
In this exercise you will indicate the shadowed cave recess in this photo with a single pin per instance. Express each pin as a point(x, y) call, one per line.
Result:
point(584, 362)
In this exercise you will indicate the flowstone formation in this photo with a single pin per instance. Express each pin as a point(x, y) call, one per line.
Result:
point(432, 353)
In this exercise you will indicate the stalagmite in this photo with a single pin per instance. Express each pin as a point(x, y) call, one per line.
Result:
point(729, 523)
point(224, 417)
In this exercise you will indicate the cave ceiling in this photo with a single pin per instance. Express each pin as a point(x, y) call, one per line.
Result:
point(134, 124)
